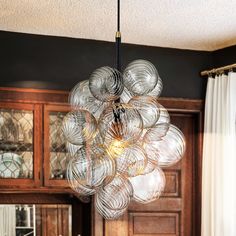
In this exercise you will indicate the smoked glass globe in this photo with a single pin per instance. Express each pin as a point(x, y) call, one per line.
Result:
point(132, 161)
point(117, 194)
point(79, 126)
point(160, 128)
point(148, 108)
point(106, 84)
point(171, 147)
point(140, 77)
point(72, 149)
point(125, 96)
point(81, 98)
point(156, 92)
point(91, 170)
point(106, 212)
point(147, 188)
point(74, 182)
point(120, 123)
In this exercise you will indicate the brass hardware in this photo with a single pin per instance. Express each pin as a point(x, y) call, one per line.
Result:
point(218, 70)
point(118, 34)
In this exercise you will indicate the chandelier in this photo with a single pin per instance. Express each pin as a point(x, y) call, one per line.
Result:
point(120, 136)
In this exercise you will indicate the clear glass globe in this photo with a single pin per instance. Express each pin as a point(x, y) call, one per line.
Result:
point(132, 161)
point(125, 96)
point(106, 212)
point(171, 148)
point(148, 187)
point(120, 123)
point(148, 108)
point(106, 84)
point(72, 149)
point(74, 183)
point(115, 195)
point(152, 163)
point(156, 92)
point(160, 128)
point(79, 126)
point(140, 77)
point(81, 98)
point(151, 151)
point(91, 170)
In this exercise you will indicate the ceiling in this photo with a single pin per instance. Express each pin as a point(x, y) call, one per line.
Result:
point(186, 24)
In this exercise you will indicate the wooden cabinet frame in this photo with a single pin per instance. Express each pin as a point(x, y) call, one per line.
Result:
point(37, 146)
point(47, 181)
point(35, 100)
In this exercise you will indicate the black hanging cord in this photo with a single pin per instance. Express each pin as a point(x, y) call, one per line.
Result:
point(118, 37)
point(118, 15)
point(118, 43)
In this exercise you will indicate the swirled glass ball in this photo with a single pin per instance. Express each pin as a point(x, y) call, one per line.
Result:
point(74, 182)
point(72, 149)
point(148, 187)
point(151, 165)
point(125, 96)
point(79, 126)
point(81, 98)
point(120, 123)
point(132, 161)
point(91, 170)
point(106, 84)
point(140, 77)
point(117, 194)
point(151, 151)
point(160, 128)
point(156, 92)
point(148, 108)
point(106, 212)
point(171, 147)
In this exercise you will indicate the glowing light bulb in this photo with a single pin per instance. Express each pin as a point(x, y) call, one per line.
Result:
point(116, 148)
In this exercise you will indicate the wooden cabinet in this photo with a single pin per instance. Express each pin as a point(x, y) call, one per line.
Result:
point(177, 212)
point(33, 153)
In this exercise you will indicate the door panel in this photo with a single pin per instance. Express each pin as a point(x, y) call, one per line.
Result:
point(154, 224)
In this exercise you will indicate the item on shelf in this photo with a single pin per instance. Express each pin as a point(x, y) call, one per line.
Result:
point(16, 126)
point(10, 165)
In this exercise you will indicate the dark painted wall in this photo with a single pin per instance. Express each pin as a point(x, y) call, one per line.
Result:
point(225, 56)
point(59, 63)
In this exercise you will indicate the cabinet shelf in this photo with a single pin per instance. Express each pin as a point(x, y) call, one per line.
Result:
point(7, 146)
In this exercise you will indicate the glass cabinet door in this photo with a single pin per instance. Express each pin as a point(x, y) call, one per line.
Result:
point(19, 144)
point(55, 152)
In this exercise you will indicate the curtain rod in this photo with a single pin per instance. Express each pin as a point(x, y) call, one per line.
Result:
point(220, 69)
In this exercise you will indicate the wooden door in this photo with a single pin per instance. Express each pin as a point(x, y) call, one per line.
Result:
point(176, 213)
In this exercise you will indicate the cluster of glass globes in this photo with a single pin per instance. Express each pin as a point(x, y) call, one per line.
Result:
point(120, 137)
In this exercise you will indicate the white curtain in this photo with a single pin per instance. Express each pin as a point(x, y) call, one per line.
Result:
point(219, 158)
point(7, 220)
